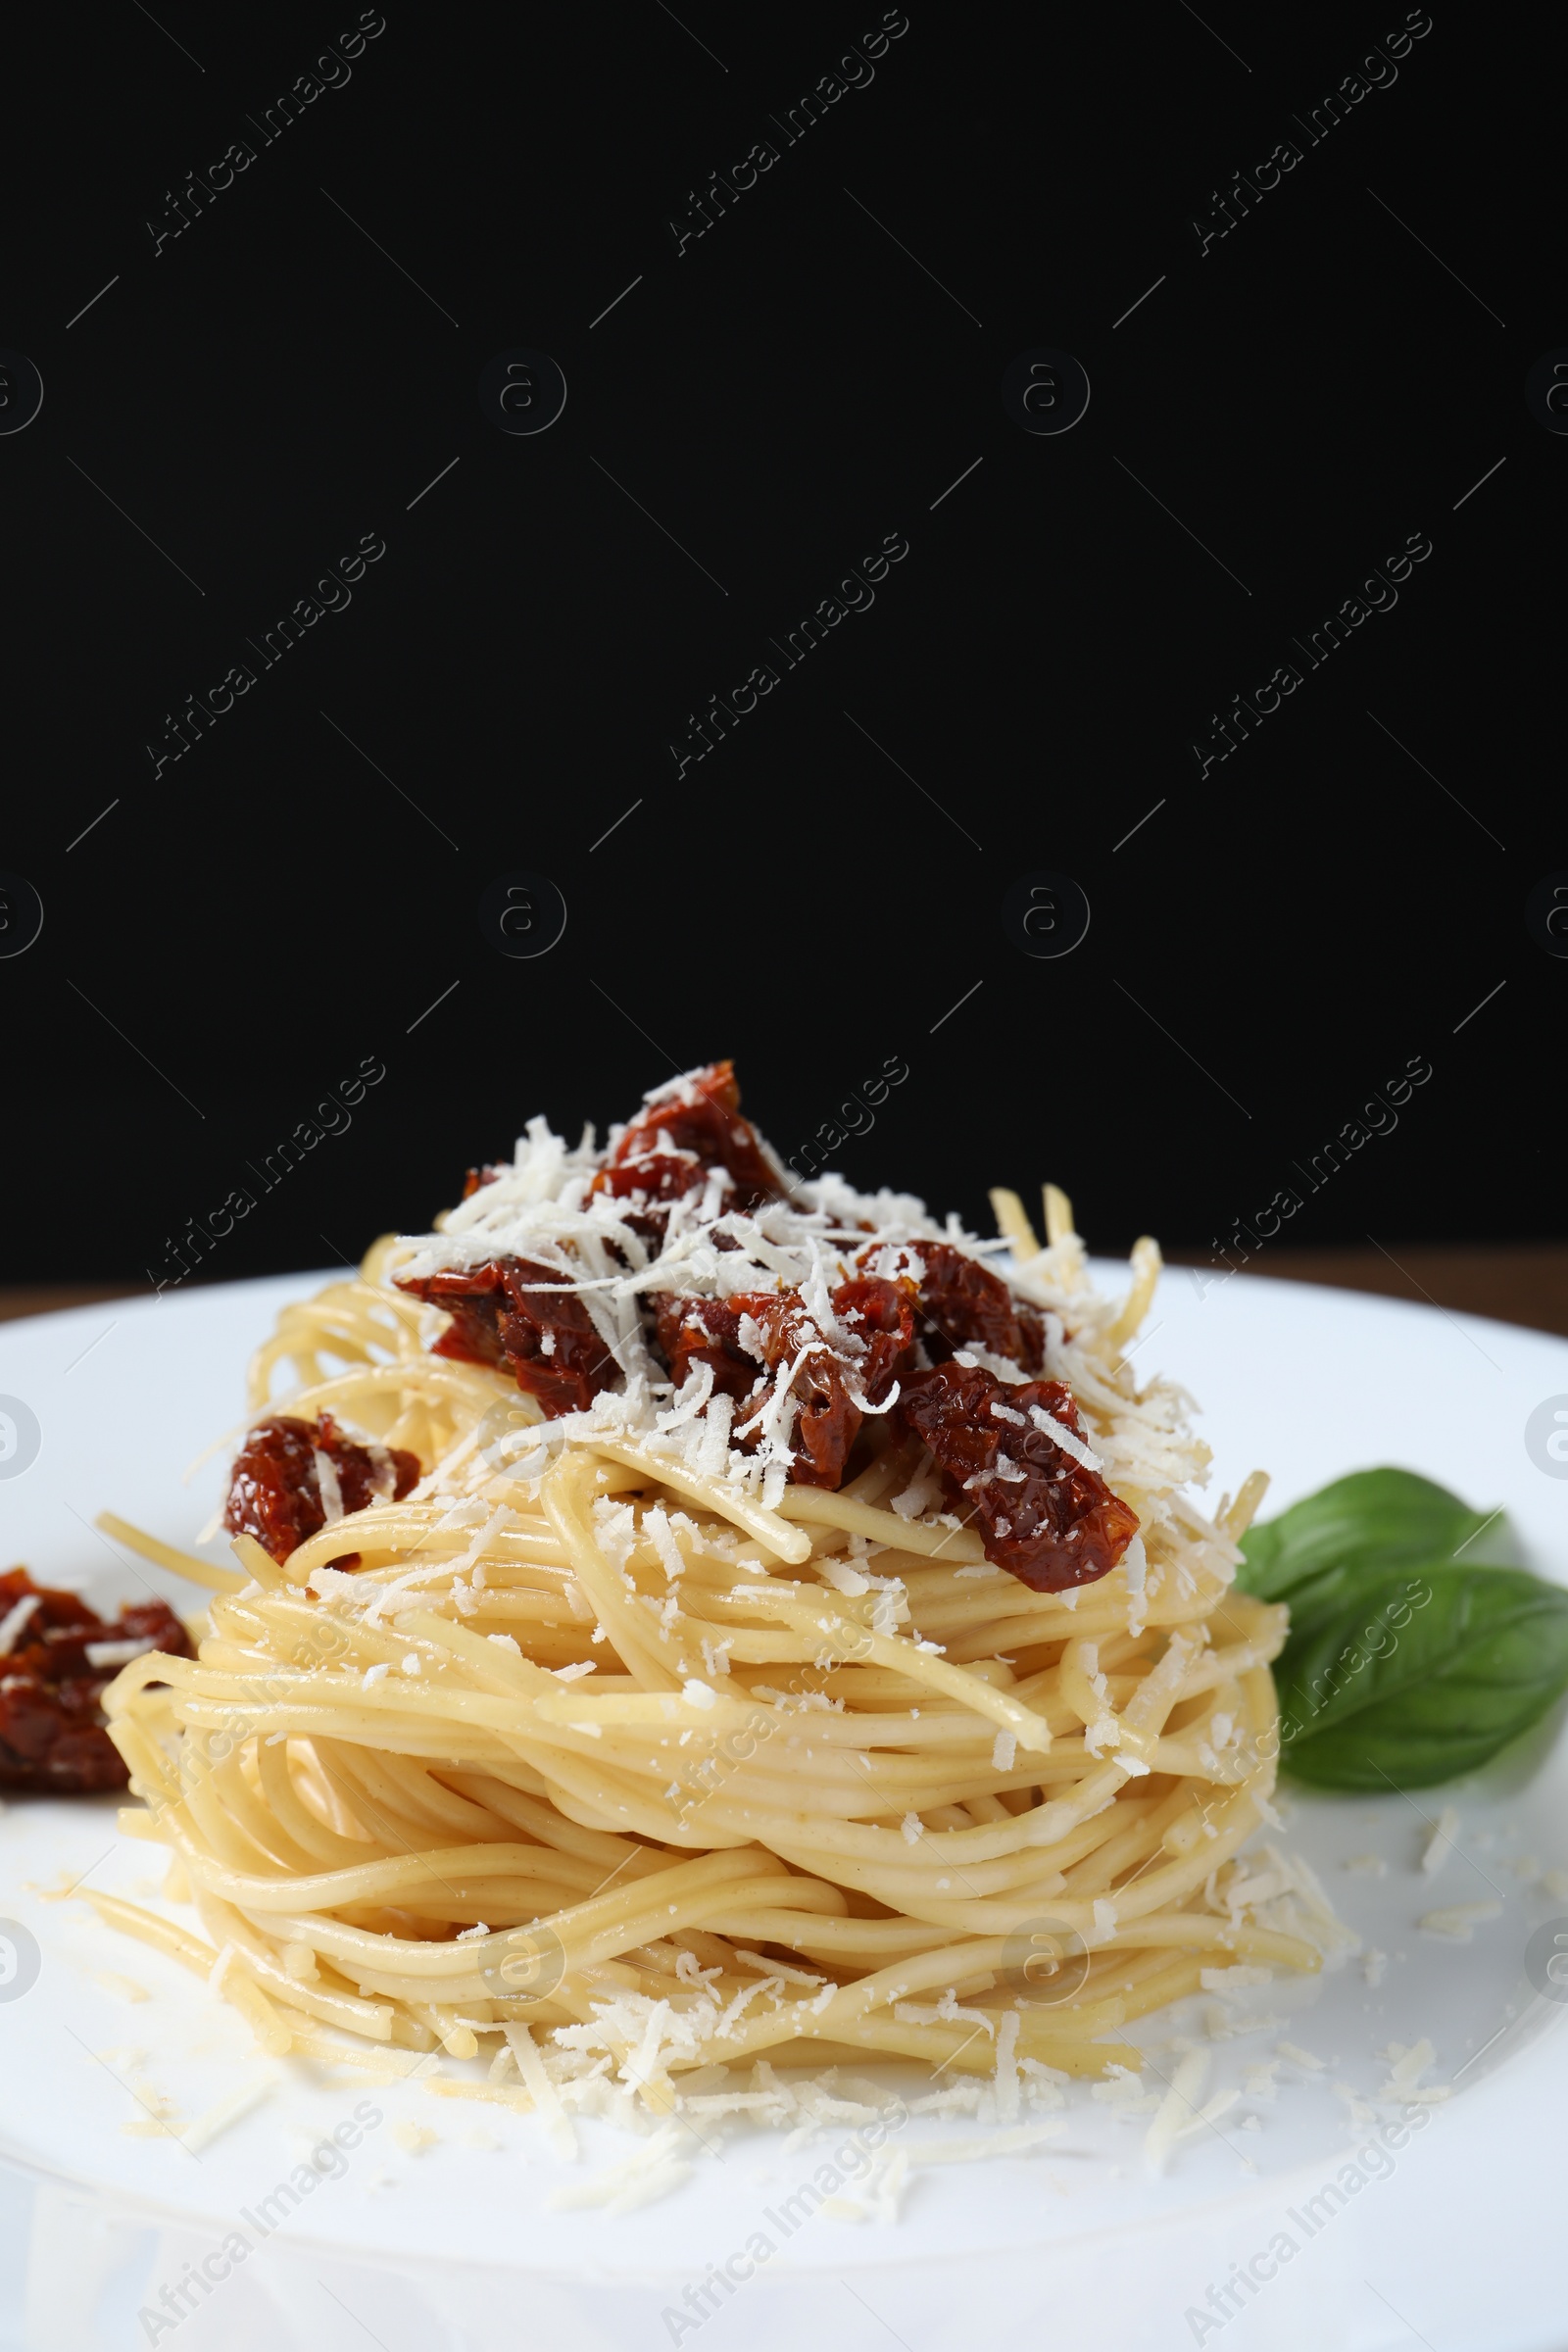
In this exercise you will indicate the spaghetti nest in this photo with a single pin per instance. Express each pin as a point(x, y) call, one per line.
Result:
point(611, 1760)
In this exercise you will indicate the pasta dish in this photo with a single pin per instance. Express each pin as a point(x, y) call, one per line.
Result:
point(688, 1616)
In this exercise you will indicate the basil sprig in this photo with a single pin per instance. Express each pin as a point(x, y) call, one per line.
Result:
point(1411, 1658)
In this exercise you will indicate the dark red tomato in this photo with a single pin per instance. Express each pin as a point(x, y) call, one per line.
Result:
point(962, 1304)
point(649, 1184)
point(512, 1313)
point(701, 1118)
point(828, 1419)
point(52, 1736)
point(275, 1492)
point(884, 1315)
point(1041, 1514)
point(826, 1422)
point(706, 1331)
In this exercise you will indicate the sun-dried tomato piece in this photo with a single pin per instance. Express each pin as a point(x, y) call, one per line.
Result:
point(650, 1183)
point(515, 1314)
point(275, 1492)
point(52, 1736)
point(706, 1331)
point(884, 1315)
point(702, 1116)
point(827, 1384)
point(1041, 1514)
point(826, 1422)
point(963, 1304)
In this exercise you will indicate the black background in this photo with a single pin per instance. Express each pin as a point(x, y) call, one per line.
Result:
point(241, 929)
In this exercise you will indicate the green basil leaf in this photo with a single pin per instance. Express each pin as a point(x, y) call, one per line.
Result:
point(1321, 1552)
point(1431, 1671)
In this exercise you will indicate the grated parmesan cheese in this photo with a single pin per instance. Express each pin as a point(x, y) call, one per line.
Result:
point(1460, 1921)
point(1176, 2109)
point(1406, 2070)
point(117, 1654)
point(1060, 1435)
point(125, 1987)
point(227, 2112)
point(1360, 2113)
point(1441, 1845)
point(637, 2179)
point(15, 1618)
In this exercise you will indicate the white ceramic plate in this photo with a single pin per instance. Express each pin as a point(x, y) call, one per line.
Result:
point(1451, 2239)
